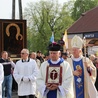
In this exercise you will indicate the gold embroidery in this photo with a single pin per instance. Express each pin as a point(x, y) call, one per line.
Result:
point(80, 93)
point(18, 30)
point(79, 85)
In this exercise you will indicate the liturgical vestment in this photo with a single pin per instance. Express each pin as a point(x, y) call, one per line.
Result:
point(88, 78)
point(65, 90)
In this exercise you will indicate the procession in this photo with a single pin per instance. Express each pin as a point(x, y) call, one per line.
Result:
point(56, 77)
point(50, 50)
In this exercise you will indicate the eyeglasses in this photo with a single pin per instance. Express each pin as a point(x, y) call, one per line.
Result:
point(22, 53)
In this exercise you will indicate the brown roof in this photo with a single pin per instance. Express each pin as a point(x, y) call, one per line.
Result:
point(88, 22)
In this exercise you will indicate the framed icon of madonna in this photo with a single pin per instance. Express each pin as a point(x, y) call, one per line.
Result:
point(13, 36)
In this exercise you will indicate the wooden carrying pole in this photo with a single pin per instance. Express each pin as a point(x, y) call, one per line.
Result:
point(84, 43)
point(20, 9)
point(13, 9)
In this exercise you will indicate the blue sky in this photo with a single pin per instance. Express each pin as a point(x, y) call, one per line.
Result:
point(6, 7)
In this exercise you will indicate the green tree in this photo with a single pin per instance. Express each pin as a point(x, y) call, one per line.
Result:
point(81, 6)
point(44, 18)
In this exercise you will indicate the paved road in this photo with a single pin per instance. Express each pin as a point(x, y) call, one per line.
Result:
point(14, 95)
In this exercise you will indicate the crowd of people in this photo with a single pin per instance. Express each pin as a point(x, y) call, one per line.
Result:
point(56, 75)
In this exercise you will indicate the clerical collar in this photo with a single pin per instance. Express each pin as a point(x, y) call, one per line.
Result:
point(77, 59)
point(55, 62)
point(27, 60)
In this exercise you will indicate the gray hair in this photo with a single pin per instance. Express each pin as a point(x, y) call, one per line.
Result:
point(26, 50)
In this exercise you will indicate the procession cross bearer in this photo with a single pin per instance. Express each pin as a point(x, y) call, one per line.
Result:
point(55, 79)
point(83, 70)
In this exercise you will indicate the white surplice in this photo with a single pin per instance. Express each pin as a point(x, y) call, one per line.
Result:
point(30, 70)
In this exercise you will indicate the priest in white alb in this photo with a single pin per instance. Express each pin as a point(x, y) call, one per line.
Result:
point(55, 79)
